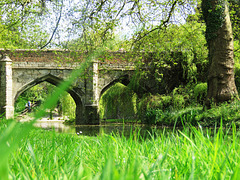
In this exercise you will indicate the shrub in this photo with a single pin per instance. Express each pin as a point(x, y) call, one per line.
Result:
point(178, 101)
point(182, 96)
point(166, 101)
point(200, 92)
point(226, 112)
point(178, 117)
point(150, 105)
point(67, 106)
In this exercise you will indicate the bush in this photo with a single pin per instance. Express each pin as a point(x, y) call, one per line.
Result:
point(178, 101)
point(200, 92)
point(226, 112)
point(67, 106)
point(150, 117)
point(150, 107)
point(182, 96)
point(178, 117)
point(169, 110)
point(20, 104)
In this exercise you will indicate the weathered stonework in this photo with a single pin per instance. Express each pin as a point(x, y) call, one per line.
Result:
point(31, 67)
point(6, 102)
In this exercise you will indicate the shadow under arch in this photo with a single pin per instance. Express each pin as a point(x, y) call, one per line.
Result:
point(75, 93)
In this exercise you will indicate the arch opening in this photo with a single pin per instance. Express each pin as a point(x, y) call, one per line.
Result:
point(74, 92)
point(123, 80)
point(117, 101)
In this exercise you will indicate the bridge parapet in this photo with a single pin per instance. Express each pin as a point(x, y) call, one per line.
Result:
point(44, 65)
point(70, 66)
point(32, 55)
point(67, 56)
point(116, 66)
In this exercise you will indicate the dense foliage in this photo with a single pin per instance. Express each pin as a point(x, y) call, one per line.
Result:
point(21, 24)
point(39, 93)
point(173, 84)
point(118, 102)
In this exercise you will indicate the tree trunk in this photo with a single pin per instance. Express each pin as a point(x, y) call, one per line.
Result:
point(221, 83)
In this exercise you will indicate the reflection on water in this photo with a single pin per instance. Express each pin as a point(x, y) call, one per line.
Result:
point(57, 125)
point(115, 128)
point(112, 128)
point(93, 130)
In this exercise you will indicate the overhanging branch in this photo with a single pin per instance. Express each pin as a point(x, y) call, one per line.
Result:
point(55, 29)
point(163, 24)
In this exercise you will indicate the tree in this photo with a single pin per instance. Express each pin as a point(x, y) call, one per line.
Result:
point(179, 58)
point(219, 36)
point(21, 23)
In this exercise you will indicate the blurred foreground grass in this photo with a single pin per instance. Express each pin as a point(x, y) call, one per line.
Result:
point(188, 154)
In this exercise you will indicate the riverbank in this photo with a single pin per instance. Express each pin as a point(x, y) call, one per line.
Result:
point(55, 118)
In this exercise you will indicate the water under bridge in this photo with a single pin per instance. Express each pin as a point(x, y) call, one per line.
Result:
point(23, 69)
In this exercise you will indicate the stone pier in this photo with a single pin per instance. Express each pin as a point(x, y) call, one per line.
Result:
point(6, 98)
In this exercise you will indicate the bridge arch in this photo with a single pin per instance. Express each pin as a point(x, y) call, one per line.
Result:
point(74, 92)
point(120, 105)
point(48, 78)
point(124, 79)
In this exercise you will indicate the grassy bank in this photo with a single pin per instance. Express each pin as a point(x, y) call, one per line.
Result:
point(187, 154)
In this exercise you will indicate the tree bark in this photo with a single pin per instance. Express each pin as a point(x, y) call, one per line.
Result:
point(221, 83)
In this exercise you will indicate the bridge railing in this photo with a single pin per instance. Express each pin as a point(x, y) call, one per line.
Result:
point(23, 112)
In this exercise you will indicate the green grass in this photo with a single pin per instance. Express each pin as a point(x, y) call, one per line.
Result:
point(188, 154)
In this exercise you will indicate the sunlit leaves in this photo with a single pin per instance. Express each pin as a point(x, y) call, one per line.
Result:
point(235, 18)
point(22, 24)
point(79, 18)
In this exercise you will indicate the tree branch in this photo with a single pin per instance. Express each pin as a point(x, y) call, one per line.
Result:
point(99, 8)
point(139, 37)
point(56, 27)
point(11, 25)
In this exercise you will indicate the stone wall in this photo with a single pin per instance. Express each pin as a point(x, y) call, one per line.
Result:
point(6, 85)
point(43, 65)
point(25, 75)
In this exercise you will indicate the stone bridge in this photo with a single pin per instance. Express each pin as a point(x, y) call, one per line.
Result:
point(23, 69)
